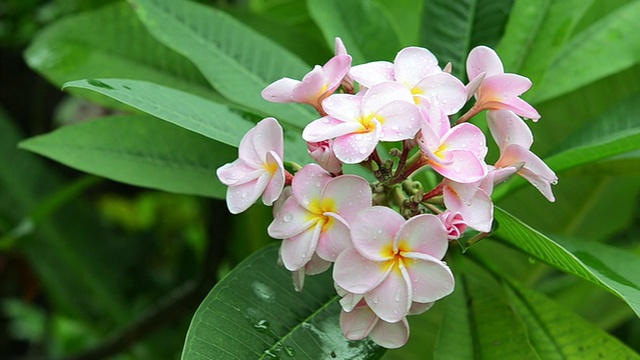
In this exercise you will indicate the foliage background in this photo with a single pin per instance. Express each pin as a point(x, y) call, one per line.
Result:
point(93, 268)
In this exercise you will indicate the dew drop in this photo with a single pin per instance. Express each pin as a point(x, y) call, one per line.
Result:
point(287, 217)
point(304, 255)
point(456, 170)
point(362, 151)
point(262, 325)
point(376, 300)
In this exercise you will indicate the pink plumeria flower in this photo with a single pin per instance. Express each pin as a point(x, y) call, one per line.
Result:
point(322, 153)
point(314, 87)
point(493, 88)
point(394, 262)
point(514, 138)
point(417, 69)
point(315, 218)
point(258, 171)
point(361, 322)
point(454, 223)
point(471, 201)
point(385, 112)
point(347, 81)
point(456, 153)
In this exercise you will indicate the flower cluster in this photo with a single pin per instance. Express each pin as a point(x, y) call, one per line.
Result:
point(386, 239)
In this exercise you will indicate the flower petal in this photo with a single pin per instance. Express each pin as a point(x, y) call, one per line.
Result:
point(280, 91)
point(357, 324)
point(334, 239)
point(312, 86)
point(445, 91)
point(354, 148)
point(467, 137)
point(390, 335)
point(264, 137)
point(328, 128)
point(335, 70)
point(372, 73)
point(308, 183)
point(477, 212)
point(384, 93)
point(344, 107)
point(297, 251)
point(463, 167)
point(431, 279)
point(356, 274)
point(241, 197)
point(413, 64)
point(373, 232)
point(402, 120)
point(291, 220)
point(508, 128)
point(424, 234)
point(534, 170)
point(391, 299)
point(483, 59)
point(351, 194)
point(276, 184)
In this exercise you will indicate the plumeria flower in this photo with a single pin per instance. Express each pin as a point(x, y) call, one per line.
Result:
point(316, 265)
point(417, 69)
point(472, 201)
point(361, 322)
point(514, 138)
point(315, 218)
point(384, 112)
point(454, 223)
point(314, 87)
point(456, 153)
point(493, 88)
point(358, 321)
point(347, 81)
point(322, 153)
point(258, 171)
point(394, 262)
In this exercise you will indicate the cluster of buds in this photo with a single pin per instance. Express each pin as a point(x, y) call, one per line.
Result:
point(386, 239)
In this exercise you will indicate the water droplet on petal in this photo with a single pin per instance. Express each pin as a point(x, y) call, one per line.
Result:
point(287, 217)
point(376, 300)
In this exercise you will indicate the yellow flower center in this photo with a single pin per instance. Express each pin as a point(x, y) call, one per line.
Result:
point(368, 123)
point(318, 208)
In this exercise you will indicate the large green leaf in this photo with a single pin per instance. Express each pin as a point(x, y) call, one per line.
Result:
point(536, 31)
point(139, 150)
point(188, 111)
point(406, 18)
point(557, 333)
point(236, 60)
point(254, 313)
point(364, 27)
point(62, 53)
point(180, 108)
point(468, 23)
point(597, 268)
point(606, 47)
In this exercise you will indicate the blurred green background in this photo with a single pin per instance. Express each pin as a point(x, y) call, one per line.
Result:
point(91, 268)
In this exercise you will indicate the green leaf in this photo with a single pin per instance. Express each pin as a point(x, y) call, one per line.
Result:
point(599, 270)
point(364, 26)
point(455, 338)
point(255, 313)
point(190, 112)
point(406, 17)
point(497, 329)
point(235, 59)
point(468, 23)
point(603, 49)
point(177, 107)
point(62, 53)
point(557, 333)
point(535, 33)
point(139, 150)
